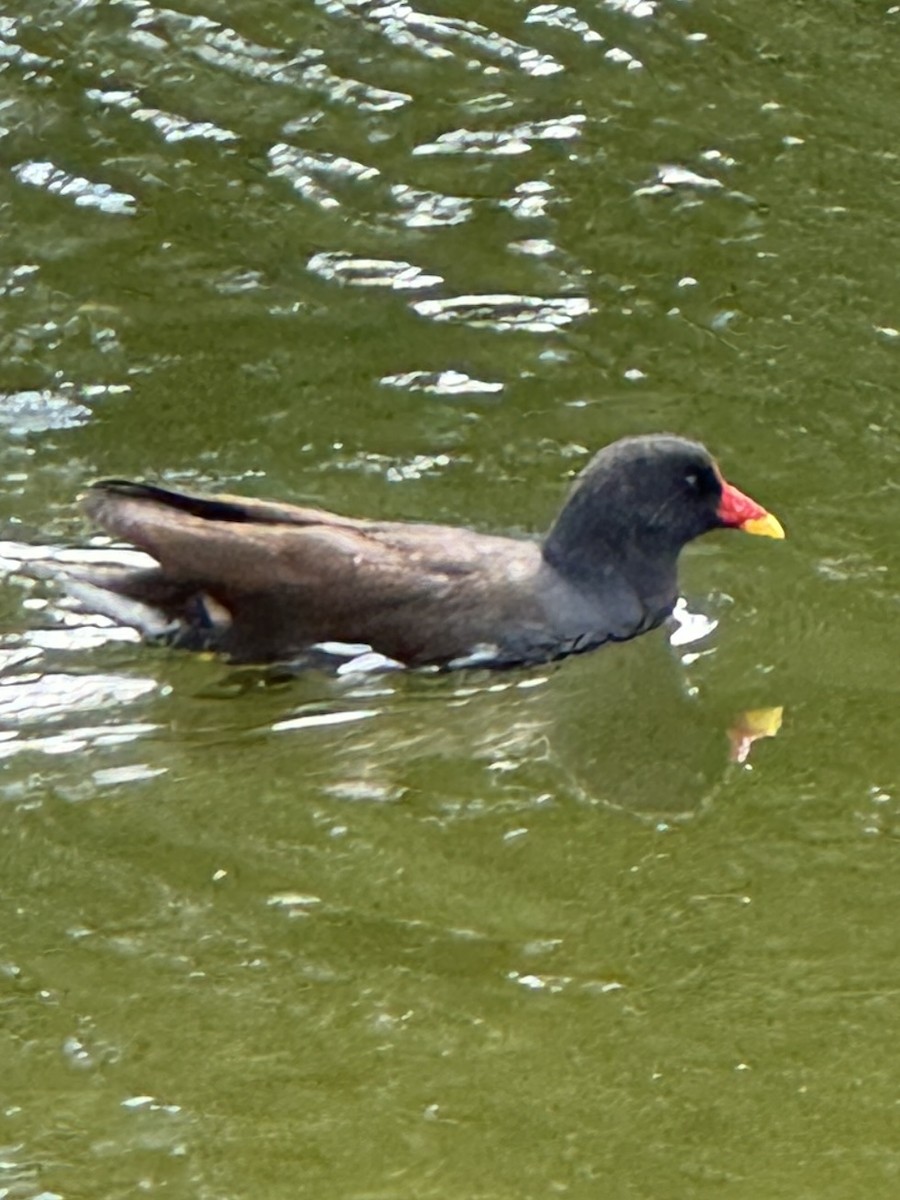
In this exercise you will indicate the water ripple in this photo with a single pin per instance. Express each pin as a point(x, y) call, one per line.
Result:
point(558, 16)
point(529, 199)
point(371, 272)
point(38, 411)
point(304, 171)
point(533, 314)
point(55, 696)
point(516, 140)
point(423, 209)
point(82, 192)
point(14, 281)
point(441, 383)
point(12, 52)
point(641, 9)
point(172, 127)
point(426, 33)
point(304, 69)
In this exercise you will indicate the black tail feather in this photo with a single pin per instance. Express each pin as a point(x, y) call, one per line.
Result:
point(198, 506)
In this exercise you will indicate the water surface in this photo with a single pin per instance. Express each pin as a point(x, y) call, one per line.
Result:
point(429, 936)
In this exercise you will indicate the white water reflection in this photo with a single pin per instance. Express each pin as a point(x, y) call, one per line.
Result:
point(559, 16)
point(40, 704)
point(82, 192)
point(37, 411)
point(80, 633)
point(394, 470)
point(15, 555)
point(688, 627)
point(623, 58)
point(131, 772)
point(343, 267)
point(641, 9)
point(44, 700)
point(536, 247)
point(172, 127)
point(515, 140)
point(529, 199)
point(426, 33)
point(223, 47)
point(441, 383)
point(66, 625)
point(668, 178)
point(14, 279)
point(305, 171)
point(532, 314)
point(423, 209)
point(12, 52)
point(321, 720)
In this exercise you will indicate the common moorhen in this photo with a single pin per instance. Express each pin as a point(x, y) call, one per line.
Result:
point(260, 581)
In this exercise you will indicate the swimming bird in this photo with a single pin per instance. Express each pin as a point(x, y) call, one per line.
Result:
point(261, 581)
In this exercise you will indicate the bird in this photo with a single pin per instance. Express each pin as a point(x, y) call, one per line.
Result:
point(258, 581)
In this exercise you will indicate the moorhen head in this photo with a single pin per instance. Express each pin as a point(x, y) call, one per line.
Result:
point(260, 581)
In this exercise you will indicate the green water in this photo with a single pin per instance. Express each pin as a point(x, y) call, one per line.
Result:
point(406, 936)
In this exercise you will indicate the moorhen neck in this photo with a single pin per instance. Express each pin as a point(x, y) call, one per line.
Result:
point(260, 581)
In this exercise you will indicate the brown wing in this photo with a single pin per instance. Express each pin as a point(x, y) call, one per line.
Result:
point(290, 576)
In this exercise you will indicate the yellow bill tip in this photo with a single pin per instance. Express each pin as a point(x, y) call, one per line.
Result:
point(764, 526)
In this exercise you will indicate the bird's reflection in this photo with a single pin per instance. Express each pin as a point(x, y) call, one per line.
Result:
point(748, 727)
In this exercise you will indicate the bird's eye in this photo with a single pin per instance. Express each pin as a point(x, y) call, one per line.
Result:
point(693, 481)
